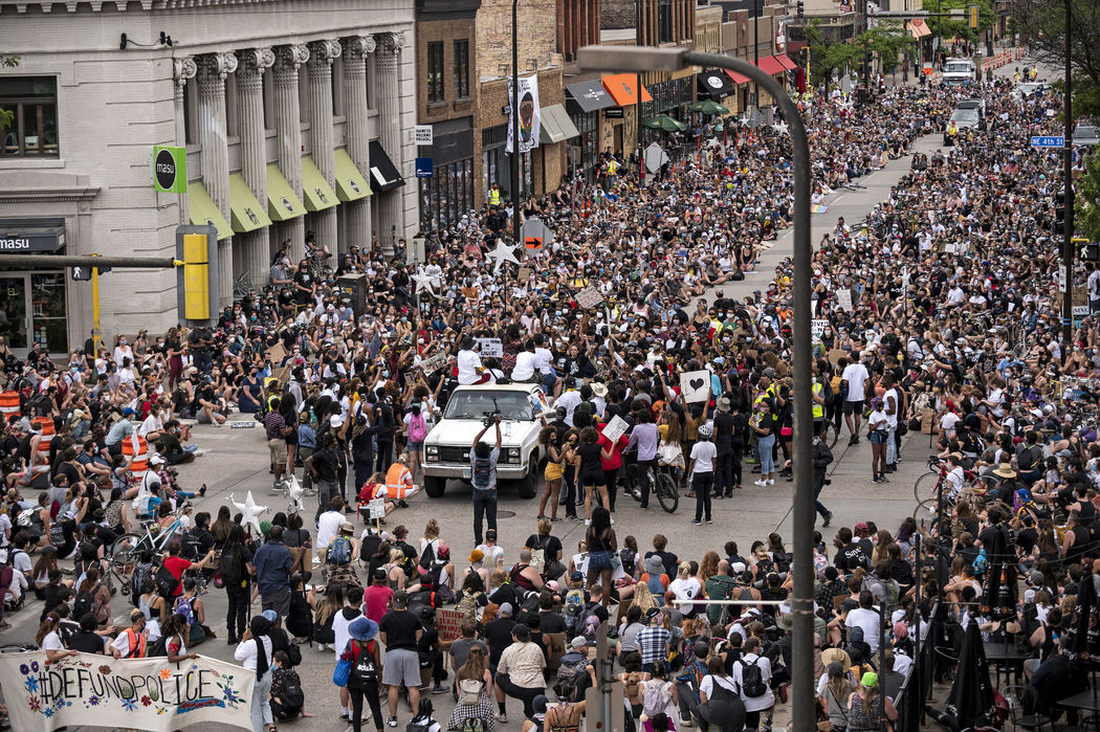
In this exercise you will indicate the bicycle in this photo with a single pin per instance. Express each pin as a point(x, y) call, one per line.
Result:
point(661, 482)
point(126, 550)
point(926, 489)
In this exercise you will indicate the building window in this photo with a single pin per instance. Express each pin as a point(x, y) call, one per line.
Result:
point(462, 69)
point(31, 103)
point(447, 196)
point(664, 21)
point(435, 71)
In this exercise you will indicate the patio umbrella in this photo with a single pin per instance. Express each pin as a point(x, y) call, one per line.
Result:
point(971, 701)
point(664, 123)
point(1085, 630)
point(709, 107)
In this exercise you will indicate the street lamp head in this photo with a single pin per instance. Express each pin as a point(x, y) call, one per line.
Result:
point(630, 58)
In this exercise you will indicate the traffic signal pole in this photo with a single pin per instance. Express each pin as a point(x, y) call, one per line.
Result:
point(37, 261)
point(1067, 241)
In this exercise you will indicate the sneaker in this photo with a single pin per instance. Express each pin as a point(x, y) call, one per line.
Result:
point(853, 440)
point(696, 523)
point(771, 481)
point(708, 521)
point(392, 721)
point(437, 689)
point(685, 722)
point(588, 522)
point(760, 483)
point(828, 518)
point(502, 718)
point(883, 479)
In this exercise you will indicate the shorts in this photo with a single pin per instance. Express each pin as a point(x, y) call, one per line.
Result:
point(553, 471)
point(401, 667)
point(278, 450)
point(415, 446)
point(878, 437)
point(853, 407)
point(599, 561)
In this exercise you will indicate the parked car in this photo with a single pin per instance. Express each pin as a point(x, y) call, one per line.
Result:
point(1086, 135)
point(447, 447)
point(958, 71)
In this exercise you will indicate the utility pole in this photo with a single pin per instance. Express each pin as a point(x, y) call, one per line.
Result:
point(515, 125)
point(1067, 174)
point(638, 41)
point(756, 52)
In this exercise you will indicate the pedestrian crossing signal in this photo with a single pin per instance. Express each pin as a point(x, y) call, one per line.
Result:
point(82, 274)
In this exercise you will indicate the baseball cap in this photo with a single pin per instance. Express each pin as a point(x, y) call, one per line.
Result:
point(576, 577)
point(506, 609)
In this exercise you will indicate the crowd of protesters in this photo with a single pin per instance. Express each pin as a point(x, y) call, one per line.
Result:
point(937, 315)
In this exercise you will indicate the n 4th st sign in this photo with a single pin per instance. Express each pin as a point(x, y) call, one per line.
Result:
point(170, 169)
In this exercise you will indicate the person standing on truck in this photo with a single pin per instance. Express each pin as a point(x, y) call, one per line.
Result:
point(483, 477)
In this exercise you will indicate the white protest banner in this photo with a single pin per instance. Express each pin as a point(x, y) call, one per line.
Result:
point(530, 114)
point(615, 429)
point(695, 386)
point(149, 693)
point(844, 300)
point(589, 298)
point(430, 363)
point(817, 327)
point(492, 347)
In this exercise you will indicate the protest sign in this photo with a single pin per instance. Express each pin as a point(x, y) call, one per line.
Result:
point(817, 328)
point(695, 386)
point(844, 300)
point(437, 360)
point(276, 354)
point(449, 624)
point(589, 298)
point(377, 507)
point(149, 693)
point(492, 347)
point(615, 429)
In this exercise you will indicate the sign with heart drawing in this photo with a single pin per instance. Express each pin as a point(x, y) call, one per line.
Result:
point(695, 386)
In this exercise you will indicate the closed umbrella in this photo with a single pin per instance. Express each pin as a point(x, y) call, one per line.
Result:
point(1085, 630)
point(971, 702)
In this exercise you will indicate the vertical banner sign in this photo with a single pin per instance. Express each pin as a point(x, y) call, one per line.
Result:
point(530, 116)
point(149, 693)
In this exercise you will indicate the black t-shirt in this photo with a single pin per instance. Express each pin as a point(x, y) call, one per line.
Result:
point(304, 279)
point(723, 432)
point(324, 462)
point(498, 634)
point(551, 545)
point(551, 622)
point(849, 557)
point(400, 627)
point(591, 468)
point(86, 642)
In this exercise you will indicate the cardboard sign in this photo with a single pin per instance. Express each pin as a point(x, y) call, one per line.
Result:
point(448, 623)
point(836, 354)
point(927, 419)
point(695, 386)
point(615, 429)
point(377, 507)
point(844, 300)
point(492, 347)
point(817, 327)
point(276, 354)
point(589, 298)
point(524, 274)
point(436, 361)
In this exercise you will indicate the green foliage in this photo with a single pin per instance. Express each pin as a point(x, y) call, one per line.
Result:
point(1043, 23)
point(949, 28)
point(1086, 209)
point(887, 40)
point(7, 60)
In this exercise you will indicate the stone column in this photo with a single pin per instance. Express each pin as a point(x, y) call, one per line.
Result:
point(213, 70)
point(256, 251)
point(288, 127)
point(183, 69)
point(321, 56)
point(392, 219)
point(356, 50)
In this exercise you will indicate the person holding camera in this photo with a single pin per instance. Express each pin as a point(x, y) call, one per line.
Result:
point(483, 477)
point(823, 456)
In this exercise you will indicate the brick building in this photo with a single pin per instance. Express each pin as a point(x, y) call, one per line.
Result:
point(447, 92)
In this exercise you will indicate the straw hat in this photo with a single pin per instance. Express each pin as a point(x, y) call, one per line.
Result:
point(1005, 470)
point(836, 655)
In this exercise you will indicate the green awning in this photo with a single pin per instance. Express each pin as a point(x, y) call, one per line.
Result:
point(315, 189)
point(282, 203)
point(247, 213)
point(202, 209)
point(350, 183)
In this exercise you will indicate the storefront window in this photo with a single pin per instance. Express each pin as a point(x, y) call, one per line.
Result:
point(582, 149)
point(446, 197)
point(35, 301)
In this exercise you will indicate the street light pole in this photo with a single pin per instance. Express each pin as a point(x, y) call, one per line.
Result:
point(1067, 174)
point(619, 58)
point(639, 39)
point(755, 51)
point(515, 124)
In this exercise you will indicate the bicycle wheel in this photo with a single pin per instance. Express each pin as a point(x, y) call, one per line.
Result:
point(122, 558)
point(667, 495)
point(830, 434)
point(925, 486)
point(630, 481)
point(926, 511)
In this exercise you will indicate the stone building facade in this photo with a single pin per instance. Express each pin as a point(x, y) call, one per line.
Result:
point(286, 108)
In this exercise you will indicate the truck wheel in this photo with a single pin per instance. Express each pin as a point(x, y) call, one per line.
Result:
point(434, 487)
point(528, 485)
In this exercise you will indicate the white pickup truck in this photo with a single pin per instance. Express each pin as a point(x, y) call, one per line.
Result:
point(447, 446)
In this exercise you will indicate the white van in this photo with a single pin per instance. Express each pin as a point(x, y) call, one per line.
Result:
point(958, 71)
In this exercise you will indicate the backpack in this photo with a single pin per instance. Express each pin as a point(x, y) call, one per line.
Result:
point(26, 517)
point(827, 391)
point(340, 551)
point(184, 608)
point(538, 554)
point(365, 671)
point(482, 474)
point(166, 582)
point(137, 581)
point(656, 589)
point(229, 566)
point(418, 428)
point(467, 606)
point(292, 696)
point(158, 648)
point(752, 681)
point(570, 674)
point(427, 557)
point(84, 604)
point(190, 546)
point(469, 691)
point(424, 724)
point(626, 559)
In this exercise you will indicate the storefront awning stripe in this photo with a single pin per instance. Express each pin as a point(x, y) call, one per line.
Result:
point(246, 212)
point(565, 123)
point(785, 61)
point(770, 65)
point(384, 175)
point(622, 88)
point(202, 209)
point(737, 78)
point(283, 203)
point(590, 96)
point(316, 191)
point(350, 183)
point(549, 131)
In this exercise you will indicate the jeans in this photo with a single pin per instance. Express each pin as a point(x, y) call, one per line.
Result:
point(688, 698)
point(701, 483)
point(723, 475)
point(525, 694)
point(279, 601)
point(371, 695)
point(485, 505)
point(326, 491)
point(236, 618)
point(765, 445)
point(261, 703)
point(643, 478)
point(818, 505)
point(891, 446)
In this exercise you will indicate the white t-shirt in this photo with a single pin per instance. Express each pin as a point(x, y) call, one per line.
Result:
point(340, 632)
point(52, 642)
point(703, 453)
point(855, 374)
point(468, 364)
point(150, 424)
point(494, 555)
point(868, 620)
point(706, 686)
point(327, 526)
point(5, 528)
point(569, 400)
point(891, 419)
point(526, 363)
